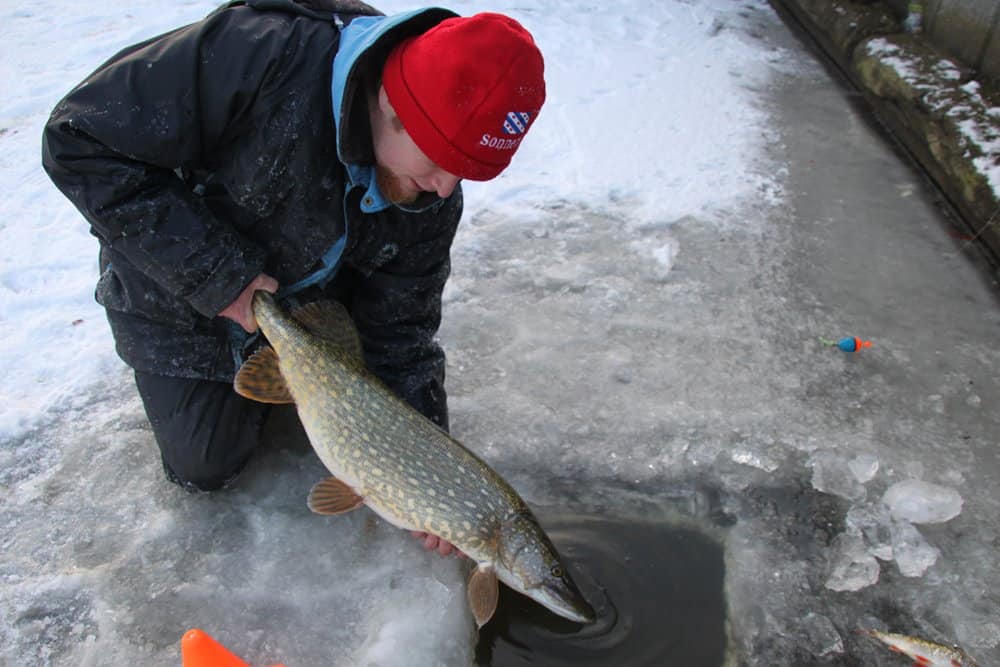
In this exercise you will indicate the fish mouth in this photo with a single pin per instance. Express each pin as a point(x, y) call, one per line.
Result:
point(566, 601)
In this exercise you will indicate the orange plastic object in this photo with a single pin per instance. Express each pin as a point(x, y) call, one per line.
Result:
point(198, 649)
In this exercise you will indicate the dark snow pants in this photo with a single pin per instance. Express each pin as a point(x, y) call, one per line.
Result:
point(206, 431)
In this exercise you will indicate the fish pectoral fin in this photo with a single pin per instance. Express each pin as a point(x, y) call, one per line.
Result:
point(330, 321)
point(260, 378)
point(331, 496)
point(483, 592)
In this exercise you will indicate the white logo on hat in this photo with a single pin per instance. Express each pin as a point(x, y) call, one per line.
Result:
point(517, 122)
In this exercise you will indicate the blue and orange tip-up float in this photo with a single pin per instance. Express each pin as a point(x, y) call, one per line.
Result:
point(848, 344)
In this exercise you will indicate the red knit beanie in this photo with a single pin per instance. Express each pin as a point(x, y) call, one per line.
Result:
point(466, 91)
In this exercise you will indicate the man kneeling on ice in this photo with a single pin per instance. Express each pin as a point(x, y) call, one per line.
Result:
point(319, 150)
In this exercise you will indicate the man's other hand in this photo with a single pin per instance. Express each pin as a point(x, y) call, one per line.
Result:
point(435, 543)
point(241, 310)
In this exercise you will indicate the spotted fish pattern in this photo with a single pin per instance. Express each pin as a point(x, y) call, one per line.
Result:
point(399, 463)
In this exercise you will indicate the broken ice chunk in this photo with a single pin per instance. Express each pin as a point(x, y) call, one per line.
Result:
point(917, 501)
point(756, 459)
point(864, 467)
point(873, 521)
point(912, 552)
point(853, 567)
point(821, 636)
point(832, 474)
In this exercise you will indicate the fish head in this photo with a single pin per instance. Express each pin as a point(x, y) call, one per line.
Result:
point(528, 562)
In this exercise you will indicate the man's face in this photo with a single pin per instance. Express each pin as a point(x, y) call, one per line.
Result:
point(403, 171)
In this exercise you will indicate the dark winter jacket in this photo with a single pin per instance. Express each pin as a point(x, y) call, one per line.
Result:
point(210, 154)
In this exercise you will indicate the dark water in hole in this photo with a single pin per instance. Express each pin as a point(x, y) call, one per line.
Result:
point(658, 592)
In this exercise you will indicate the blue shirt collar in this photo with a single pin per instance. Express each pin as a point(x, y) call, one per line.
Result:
point(373, 200)
point(364, 176)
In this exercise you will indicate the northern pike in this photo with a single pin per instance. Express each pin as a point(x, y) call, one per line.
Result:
point(923, 653)
point(384, 454)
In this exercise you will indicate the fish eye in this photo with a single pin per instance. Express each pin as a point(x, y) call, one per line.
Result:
point(557, 572)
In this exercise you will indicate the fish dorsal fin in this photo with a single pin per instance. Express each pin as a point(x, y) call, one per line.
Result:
point(331, 496)
point(260, 378)
point(330, 321)
point(484, 592)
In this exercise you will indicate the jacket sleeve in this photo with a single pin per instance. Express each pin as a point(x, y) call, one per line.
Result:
point(397, 309)
point(114, 146)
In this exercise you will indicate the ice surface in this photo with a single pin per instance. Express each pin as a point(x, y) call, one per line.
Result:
point(631, 324)
point(922, 502)
point(251, 566)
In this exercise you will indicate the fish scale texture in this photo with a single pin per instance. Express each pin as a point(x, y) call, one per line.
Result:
point(408, 470)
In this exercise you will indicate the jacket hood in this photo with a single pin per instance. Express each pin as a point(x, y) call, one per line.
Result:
point(365, 44)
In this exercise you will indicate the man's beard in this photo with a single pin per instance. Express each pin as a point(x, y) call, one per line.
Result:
point(391, 187)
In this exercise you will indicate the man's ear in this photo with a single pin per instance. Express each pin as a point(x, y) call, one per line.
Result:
point(387, 113)
point(383, 102)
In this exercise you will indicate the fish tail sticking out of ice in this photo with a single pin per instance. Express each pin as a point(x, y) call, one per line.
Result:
point(386, 455)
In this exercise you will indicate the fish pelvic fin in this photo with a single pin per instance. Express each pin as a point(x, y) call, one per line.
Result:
point(483, 593)
point(330, 321)
point(331, 496)
point(260, 378)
